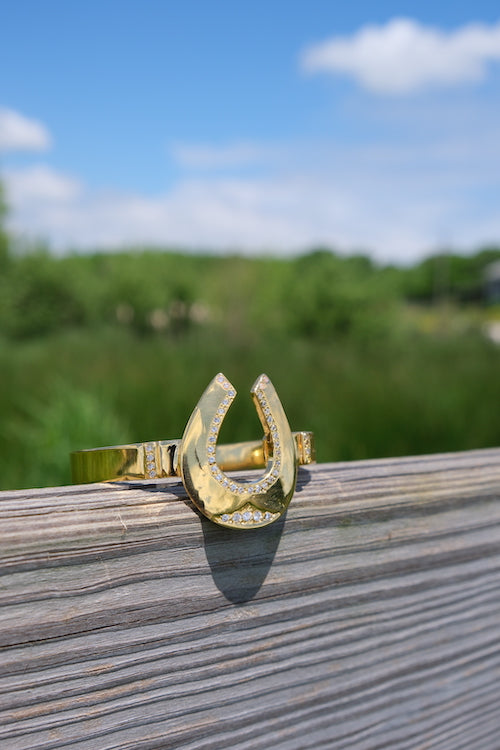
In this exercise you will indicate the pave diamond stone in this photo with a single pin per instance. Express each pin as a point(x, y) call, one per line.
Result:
point(248, 516)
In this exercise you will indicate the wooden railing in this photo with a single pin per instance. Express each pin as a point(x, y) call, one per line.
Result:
point(368, 619)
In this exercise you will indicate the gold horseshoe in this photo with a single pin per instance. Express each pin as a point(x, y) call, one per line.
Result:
point(231, 503)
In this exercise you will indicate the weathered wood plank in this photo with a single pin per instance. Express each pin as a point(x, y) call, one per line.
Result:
point(369, 619)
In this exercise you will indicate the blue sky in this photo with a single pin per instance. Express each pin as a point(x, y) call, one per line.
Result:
point(264, 126)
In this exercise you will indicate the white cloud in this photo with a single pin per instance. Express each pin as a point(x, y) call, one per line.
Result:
point(204, 156)
point(40, 183)
point(19, 133)
point(395, 202)
point(404, 56)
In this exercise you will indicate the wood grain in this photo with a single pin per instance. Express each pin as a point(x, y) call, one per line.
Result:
point(369, 619)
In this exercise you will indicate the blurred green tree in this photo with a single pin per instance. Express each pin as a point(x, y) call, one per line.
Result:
point(4, 240)
point(334, 297)
point(42, 298)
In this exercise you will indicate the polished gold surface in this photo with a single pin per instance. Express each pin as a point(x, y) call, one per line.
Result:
point(225, 500)
point(202, 463)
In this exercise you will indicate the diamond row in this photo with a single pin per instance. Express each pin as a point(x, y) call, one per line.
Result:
point(151, 470)
point(306, 442)
point(270, 478)
point(248, 517)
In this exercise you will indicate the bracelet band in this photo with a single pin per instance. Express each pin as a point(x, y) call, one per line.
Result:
point(160, 459)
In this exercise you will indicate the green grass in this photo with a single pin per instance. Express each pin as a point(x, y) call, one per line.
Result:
point(399, 394)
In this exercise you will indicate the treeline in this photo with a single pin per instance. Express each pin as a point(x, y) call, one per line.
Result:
point(150, 292)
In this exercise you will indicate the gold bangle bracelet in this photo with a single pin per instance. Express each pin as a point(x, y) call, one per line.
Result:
point(202, 464)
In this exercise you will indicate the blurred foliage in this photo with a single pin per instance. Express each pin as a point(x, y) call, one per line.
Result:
point(339, 297)
point(49, 430)
point(4, 240)
point(110, 347)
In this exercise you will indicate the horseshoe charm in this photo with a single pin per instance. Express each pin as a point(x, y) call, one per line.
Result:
point(226, 501)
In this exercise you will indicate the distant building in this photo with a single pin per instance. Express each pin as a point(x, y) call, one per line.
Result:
point(492, 282)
